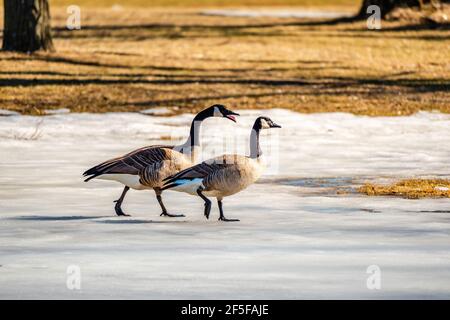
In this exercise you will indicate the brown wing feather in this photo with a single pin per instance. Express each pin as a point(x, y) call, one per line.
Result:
point(131, 163)
point(205, 170)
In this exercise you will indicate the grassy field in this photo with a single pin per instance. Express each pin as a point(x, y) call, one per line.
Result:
point(129, 59)
point(202, 3)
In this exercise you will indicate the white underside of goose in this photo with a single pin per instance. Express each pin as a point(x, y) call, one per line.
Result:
point(129, 180)
point(189, 186)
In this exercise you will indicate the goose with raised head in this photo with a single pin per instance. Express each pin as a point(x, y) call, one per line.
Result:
point(145, 168)
point(225, 175)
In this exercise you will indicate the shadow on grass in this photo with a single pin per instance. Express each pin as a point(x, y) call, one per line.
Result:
point(21, 82)
point(184, 72)
point(212, 27)
point(144, 32)
point(139, 32)
point(417, 85)
point(66, 61)
point(388, 33)
point(418, 27)
point(77, 62)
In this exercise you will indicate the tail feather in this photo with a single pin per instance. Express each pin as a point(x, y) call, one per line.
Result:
point(168, 186)
point(102, 167)
point(131, 163)
point(98, 170)
point(91, 177)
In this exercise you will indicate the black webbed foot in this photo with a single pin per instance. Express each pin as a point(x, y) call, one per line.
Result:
point(222, 217)
point(118, 206)
point(119, 211)
point(166, 214)
point(228, 220)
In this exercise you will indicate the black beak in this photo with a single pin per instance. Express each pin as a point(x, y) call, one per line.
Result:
point(274, 125)
point(231, 115)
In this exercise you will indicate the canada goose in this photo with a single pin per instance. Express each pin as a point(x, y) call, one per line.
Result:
point(224, 175)
point(145, 168)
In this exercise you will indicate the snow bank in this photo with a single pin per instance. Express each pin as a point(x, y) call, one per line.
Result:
point(5, 113)
point(259, 13)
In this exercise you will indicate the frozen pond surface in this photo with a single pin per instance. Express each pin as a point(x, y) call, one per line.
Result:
point(297, 237)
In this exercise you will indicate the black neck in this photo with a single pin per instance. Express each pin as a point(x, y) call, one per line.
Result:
point(194, 132)
point(255, 149)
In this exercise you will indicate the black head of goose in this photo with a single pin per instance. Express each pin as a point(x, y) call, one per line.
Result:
point(260, 124)
point(193, 141)
point(225, 175)
point(145, 168)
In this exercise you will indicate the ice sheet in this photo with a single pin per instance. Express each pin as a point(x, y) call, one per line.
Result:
point(297, 238)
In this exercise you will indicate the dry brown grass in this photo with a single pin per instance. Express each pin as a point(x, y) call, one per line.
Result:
point(410, 188)
point(134, 59)
point(201, 3)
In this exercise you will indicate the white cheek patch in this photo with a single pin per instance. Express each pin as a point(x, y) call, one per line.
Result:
point(264, 124)
point(217, 112)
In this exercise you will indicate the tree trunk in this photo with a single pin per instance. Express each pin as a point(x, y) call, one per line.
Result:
point(386, 6)
point(27, 26)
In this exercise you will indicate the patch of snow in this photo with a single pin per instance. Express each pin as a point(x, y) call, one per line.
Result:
point(272, 13)
point(4, 112)
point(297, 238)
point(160, 111)
point(57, 111)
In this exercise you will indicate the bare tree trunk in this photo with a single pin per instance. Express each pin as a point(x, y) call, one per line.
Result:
point(27, 26)
point(386, 6)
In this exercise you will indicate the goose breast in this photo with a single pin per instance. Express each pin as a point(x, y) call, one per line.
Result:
point(238, 175)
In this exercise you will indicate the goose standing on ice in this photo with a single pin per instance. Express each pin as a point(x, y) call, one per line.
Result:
point(225, 175)
point(145, 168)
